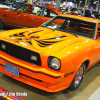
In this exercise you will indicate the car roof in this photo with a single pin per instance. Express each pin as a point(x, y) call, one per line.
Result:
point(82, 18)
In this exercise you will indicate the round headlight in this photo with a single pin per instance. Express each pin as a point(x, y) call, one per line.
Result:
point(54, 63)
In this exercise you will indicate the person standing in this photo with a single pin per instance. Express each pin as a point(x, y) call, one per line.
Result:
point(87, 12)
point(51, 5)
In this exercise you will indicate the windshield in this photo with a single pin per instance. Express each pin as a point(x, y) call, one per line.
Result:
point(71, 25)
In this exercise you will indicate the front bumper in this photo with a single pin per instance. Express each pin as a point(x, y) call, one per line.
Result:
point(35, 76)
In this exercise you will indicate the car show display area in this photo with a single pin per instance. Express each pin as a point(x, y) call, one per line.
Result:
point(49, 55)
point(31, 46)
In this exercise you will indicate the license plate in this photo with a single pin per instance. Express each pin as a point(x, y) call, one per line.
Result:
point(12, 69)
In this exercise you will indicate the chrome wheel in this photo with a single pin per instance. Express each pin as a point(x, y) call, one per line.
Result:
point(78, 76)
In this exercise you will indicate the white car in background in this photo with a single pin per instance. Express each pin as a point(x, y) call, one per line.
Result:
point(4, 6)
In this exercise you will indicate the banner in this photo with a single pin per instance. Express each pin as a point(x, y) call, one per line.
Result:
point(7, 95)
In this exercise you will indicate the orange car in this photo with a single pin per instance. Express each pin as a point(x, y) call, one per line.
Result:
point(54, 56)
point(26, 15)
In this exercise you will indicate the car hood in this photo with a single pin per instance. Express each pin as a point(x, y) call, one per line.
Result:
point(41, 39)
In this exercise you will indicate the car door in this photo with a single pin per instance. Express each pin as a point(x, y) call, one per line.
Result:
point(38, 14)
point(21, 17)
point(32, 18)
point(13, 18)
point(9, 17)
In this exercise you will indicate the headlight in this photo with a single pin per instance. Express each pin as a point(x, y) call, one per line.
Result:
point(54, 63)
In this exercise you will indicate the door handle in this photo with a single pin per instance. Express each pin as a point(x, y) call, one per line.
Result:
point(37, 19)
point(4, 15)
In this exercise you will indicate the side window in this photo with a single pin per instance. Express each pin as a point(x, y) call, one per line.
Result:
point(24, 9)
point(98, 32)
point(30, 10)
point(50, 13)
point(37, 11)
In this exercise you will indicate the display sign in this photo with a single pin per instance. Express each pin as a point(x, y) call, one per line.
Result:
point(7, 95)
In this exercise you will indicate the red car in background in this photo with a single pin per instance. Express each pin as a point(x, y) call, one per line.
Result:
point(27, 15)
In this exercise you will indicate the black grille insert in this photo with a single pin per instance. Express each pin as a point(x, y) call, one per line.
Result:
point(19, 52)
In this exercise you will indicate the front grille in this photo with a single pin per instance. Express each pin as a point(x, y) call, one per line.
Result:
point(20, 53)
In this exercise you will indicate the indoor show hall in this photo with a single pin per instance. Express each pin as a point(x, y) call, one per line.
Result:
point(49, 50)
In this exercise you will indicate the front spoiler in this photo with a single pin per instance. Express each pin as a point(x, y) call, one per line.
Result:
point(37, 77)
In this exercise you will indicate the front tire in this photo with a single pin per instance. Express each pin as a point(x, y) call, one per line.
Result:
point(78, 77)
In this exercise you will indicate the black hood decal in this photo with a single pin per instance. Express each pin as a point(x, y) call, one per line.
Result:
point(22, 33)
point(45, 43)
point(29, 42)
point(19, 34)
point(49, 41)
point(56, 37)
point(35, 32)
point(41, 42)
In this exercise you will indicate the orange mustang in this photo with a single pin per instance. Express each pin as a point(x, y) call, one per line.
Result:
point(54, 56)
point(27, 15)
